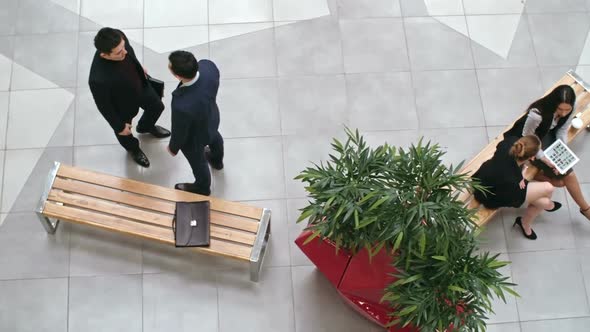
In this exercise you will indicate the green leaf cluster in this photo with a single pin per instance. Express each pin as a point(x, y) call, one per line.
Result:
point(406, 202)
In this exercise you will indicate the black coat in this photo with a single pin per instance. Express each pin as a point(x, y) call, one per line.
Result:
point(195, 115)
point(116, 99)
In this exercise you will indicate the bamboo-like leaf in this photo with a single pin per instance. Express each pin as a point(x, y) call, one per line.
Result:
point(457, 289)
point(440, 258)
point(305, 215)
point(398, 241)
point(379, 202)
point(422, 242)
point(311, 237)
point(407, 310)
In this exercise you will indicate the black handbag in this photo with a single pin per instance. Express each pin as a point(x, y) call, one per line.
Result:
point(157, 85)
point(191, 224)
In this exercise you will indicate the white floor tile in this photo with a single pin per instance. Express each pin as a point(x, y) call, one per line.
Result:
point(166, 13)
point(246, 11)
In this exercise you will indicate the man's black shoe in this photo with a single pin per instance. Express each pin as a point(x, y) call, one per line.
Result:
point(140, 158)
point(218, 165)
point(190, 187)
point(156, 131)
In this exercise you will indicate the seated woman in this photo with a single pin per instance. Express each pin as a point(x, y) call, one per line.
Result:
point(503, 178)
point(550, 118)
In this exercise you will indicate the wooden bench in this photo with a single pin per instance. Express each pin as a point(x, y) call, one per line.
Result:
point(73, 194)
point(582, 101)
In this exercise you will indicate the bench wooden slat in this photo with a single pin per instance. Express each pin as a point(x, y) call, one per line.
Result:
point(122, 225)
point(142, 216)
point(156, 191)
point(145, 202)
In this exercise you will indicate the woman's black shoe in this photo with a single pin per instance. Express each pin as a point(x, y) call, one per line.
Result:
point(555, 207)
point(531, 236)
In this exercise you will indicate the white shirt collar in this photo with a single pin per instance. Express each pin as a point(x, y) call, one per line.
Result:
point(191, 82)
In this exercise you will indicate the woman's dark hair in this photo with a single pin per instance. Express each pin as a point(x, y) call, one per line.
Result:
point(106, 39)
point(548, 104)
point(183, 64)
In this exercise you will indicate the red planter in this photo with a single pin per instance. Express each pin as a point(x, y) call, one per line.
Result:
point(360, 281)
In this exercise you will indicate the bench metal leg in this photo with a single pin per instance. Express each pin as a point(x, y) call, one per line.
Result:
point(260, 245)
point(49, 226)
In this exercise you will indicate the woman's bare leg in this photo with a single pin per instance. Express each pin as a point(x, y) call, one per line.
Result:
point(573, 187)
point(538, 196)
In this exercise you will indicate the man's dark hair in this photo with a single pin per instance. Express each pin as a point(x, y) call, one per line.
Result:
point(183, 64)
point(106, 39)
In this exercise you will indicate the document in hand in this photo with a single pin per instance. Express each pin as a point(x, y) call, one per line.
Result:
point(561, 156)
point(157, 85)
point(191, 224)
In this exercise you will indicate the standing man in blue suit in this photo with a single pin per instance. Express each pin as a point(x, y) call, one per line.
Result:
point(195, 118)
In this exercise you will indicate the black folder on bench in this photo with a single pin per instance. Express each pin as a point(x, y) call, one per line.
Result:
point(191, 224)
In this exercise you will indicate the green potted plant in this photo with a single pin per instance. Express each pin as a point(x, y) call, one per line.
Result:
point(386, 226)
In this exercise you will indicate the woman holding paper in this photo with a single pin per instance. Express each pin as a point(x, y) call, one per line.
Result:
point(503, 178)
point(550, 118)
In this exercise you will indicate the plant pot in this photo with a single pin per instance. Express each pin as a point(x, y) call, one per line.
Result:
point(323, 254)
point(361, 282)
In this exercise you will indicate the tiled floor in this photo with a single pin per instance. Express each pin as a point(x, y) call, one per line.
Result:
point(293, 73)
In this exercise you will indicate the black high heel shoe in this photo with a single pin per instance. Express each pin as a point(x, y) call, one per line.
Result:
point(555, 207)
point(531, 236)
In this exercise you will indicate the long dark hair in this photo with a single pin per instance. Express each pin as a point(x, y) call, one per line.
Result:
point(548, 104)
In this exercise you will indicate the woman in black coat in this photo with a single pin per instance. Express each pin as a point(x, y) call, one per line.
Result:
point(550, 118)
point(503, 178)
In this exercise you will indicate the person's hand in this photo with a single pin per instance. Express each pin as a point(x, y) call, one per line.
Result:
point(169, 151)
point(127, 130)
point(144, 71)
point(522, 184)
point(551, 165)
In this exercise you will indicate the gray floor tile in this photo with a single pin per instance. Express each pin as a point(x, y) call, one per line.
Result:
point(114, 13)
point(40, 111)
point(428, 45)
point(8, 14)
point(563, 32)
point(580, 224)
point(257, 47)
point(53, 56)
point(250, 107)
point(177, 12)
point(562, 325)
point(34, 305)
point(582, 150)
point(398, 138)
point(368, 8)
point(504, 312)
point(90, 126)
point(253, 307)
point(293, 212)
point(522, 52)
point(460, 144)
point(584, 259)
point(96, 252)
point(555, 230)
point(549, 291)
point(310, 47)
point(477, 7)
point(278, 252)
point(550, 75)
point(261, 159)
point(44, 256)
point(381, 101)
point(374, 45)
point(180, 302)
point(440, 93)
point(299, 153)
point(63, 136)
point(316, 302)
point(495, 131)
point(493, 238)
point(164, 169)
point(5, 70)
point(507, 327)
point(4, 98)
point(86, 51)
point(227, 11)
point(559, 6)
point(45, 16)
point(506, 93)
point(431, 8)
point(122, 295)
point(118, 162)
point(286, 10)
point(312, 104)
point(26, 174)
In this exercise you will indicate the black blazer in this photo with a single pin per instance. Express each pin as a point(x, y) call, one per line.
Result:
point(115, 98)
point(195, 115)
